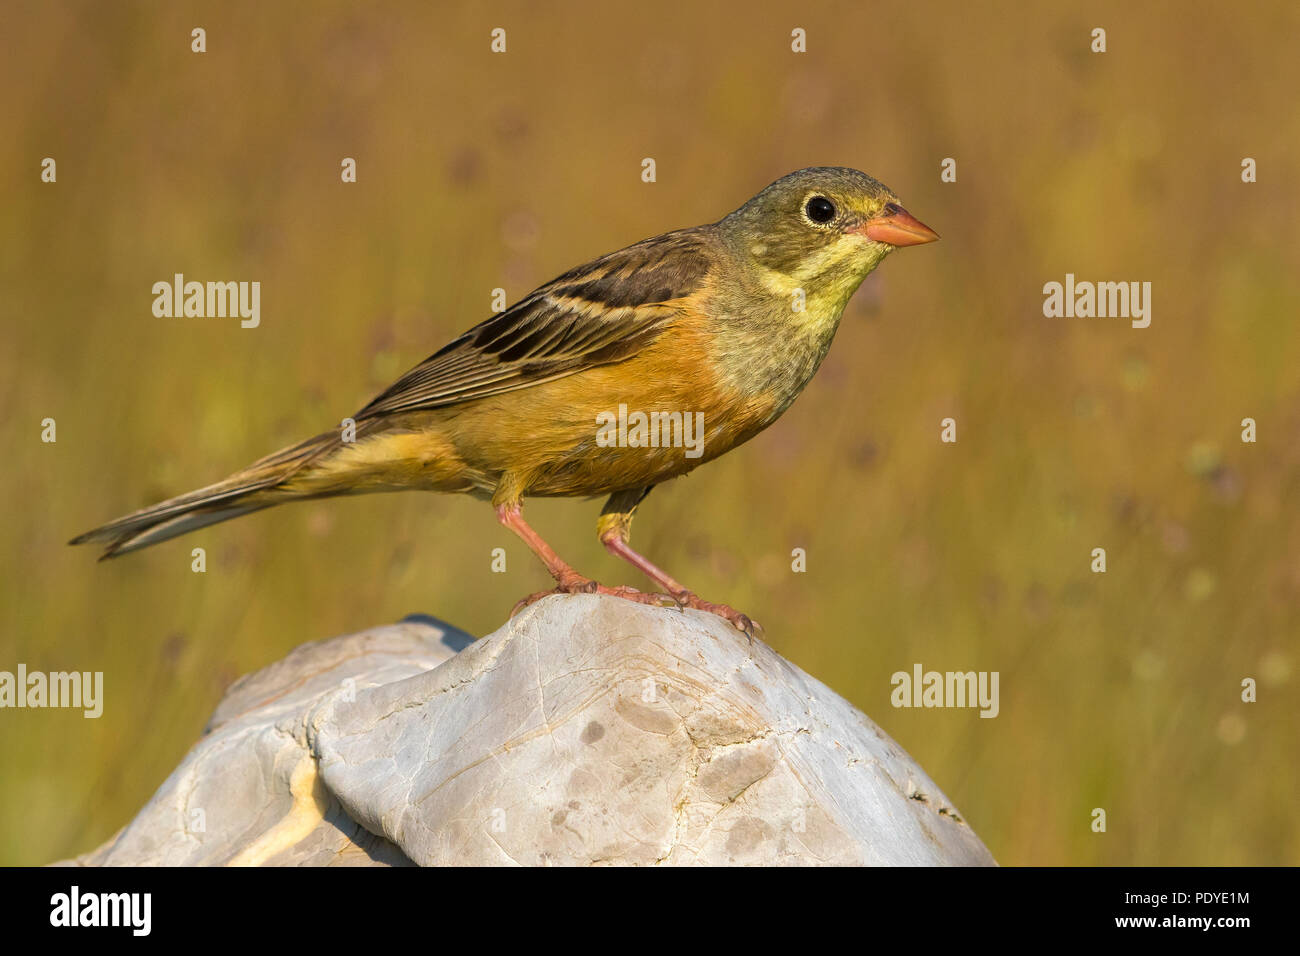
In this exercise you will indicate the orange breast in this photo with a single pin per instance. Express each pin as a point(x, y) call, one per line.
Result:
point(650, 418)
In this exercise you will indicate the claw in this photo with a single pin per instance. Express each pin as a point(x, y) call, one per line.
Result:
point(741, 622)
point(613, 535)
point(577, 584)
point(580, 585)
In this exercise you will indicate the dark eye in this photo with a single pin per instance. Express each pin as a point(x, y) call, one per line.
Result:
point(820, 209)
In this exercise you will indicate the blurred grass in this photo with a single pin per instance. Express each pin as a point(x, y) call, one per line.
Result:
point(1118, 691)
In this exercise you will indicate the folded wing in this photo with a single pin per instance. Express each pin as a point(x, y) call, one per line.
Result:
point(601, 312)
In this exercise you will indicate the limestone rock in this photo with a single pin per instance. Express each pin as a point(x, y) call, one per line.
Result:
point(587, 730)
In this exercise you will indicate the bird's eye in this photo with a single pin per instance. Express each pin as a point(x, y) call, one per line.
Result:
point(820, 209)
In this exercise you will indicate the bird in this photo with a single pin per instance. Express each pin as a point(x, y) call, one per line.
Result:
point(614, 377)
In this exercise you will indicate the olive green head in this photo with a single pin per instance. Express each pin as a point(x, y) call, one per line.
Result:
point(821, 230)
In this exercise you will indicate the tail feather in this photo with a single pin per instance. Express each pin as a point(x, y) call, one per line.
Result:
point(249, 490)
point(146, 534)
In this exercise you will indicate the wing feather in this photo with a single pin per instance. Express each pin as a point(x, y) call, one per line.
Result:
point(601, 312)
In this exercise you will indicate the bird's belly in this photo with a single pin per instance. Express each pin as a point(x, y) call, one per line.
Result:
point(627, 425)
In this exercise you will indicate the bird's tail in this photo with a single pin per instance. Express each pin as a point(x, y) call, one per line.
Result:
point(255, 487)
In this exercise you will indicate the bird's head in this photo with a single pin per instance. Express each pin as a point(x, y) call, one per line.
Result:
point(820, 230)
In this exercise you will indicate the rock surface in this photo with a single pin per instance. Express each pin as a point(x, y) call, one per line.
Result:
point(587, 730)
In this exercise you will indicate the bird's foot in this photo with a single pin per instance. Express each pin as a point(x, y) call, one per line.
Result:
point(577, 584)
point(741, 622)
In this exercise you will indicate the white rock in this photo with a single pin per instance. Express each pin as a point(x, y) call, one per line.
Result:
point(586, 730)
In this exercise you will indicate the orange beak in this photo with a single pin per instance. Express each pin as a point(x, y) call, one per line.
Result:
point(898, 227)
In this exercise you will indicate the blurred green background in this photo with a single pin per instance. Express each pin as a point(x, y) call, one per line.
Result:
point(1119, 690)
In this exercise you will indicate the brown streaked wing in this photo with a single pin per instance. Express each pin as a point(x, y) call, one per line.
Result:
point(601, 312)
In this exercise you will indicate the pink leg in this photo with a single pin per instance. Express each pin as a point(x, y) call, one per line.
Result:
point(567, 580)
point(615, 541)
